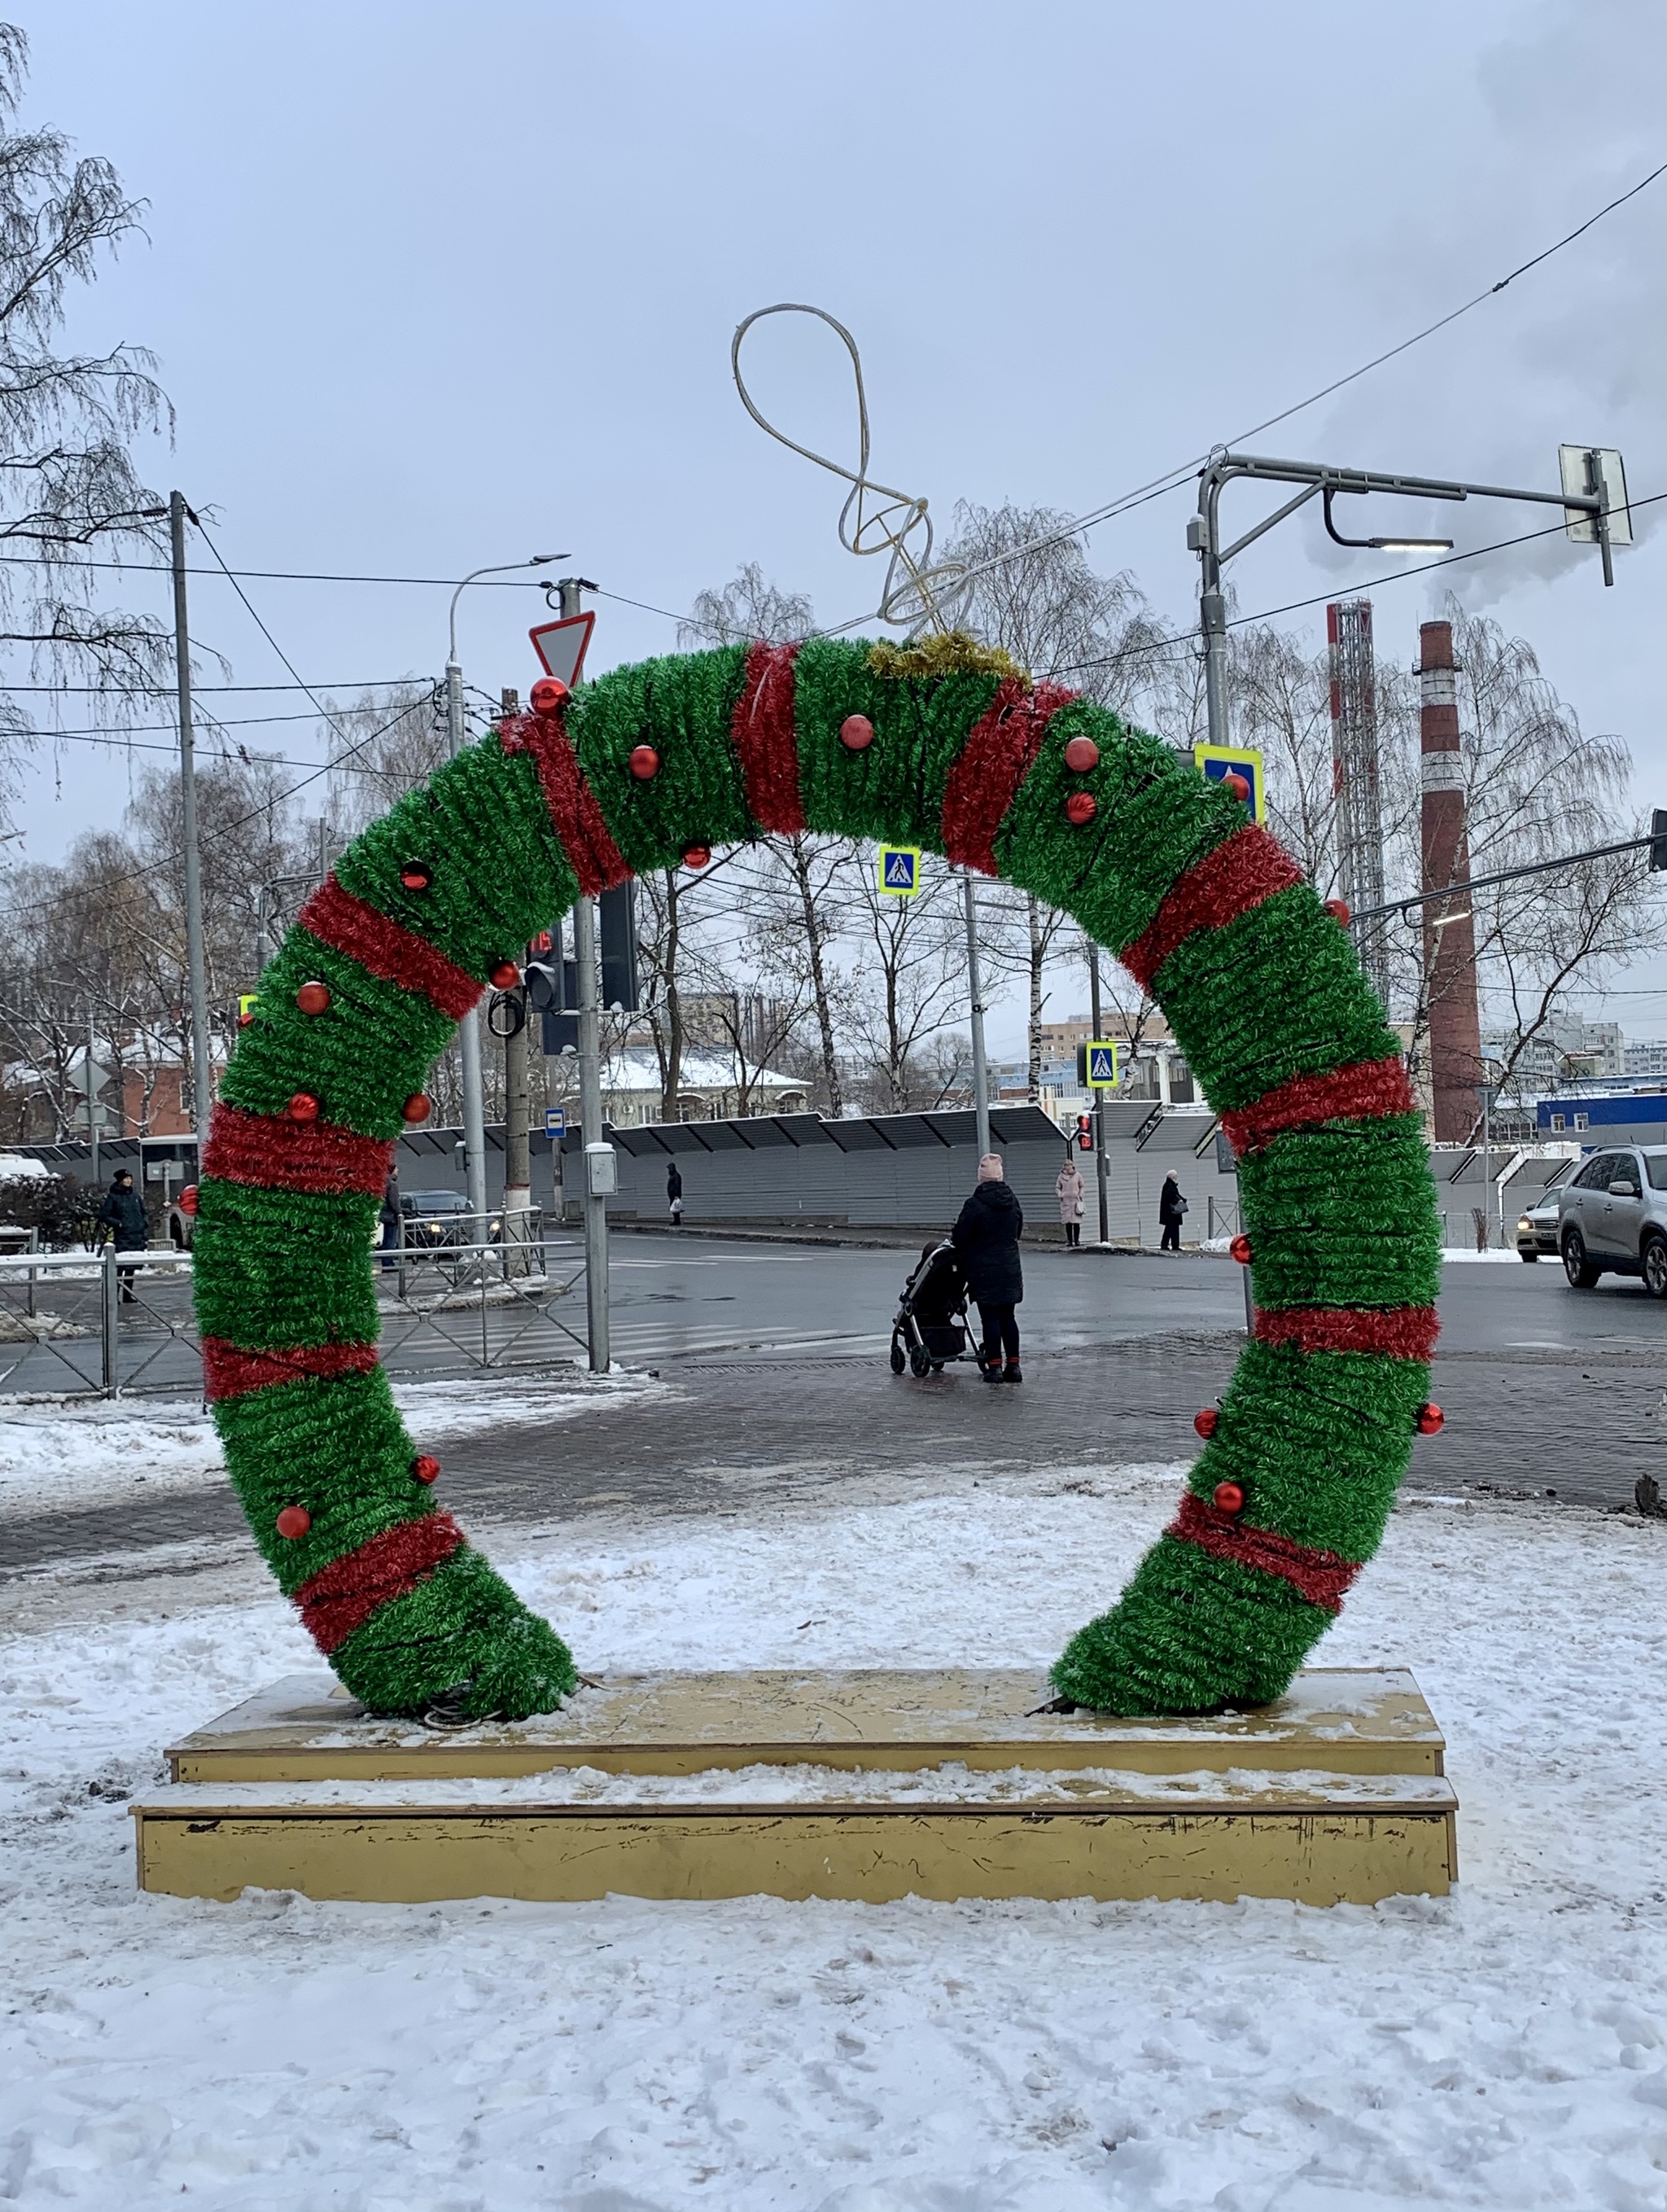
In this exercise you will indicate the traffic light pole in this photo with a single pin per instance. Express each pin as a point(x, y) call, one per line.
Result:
point(202, 1077)
point(597, 1154)
point(1099, 1101)
point(980, 1071)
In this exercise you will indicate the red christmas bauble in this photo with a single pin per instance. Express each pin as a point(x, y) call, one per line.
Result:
point(244, 1020)
point(1431, 1419)
point(417, 876)
point(549, 694)
point(645, 763)
point(1339, 911)
point(1239, 1250)
point(1204, 1421)
point(855, 733)
point(1081, 755)
point(696, 856)
point(506, 976)
point(426, 1467)
point(418, 1107)
point(1229, 1497)
point(313, 997)
point(294, 1521)
point(188, 1200)
point(1081, 807)
point(1235, 786)
point(303, 1107)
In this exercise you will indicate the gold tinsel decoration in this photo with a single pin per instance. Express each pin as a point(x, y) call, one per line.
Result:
point(951, 653)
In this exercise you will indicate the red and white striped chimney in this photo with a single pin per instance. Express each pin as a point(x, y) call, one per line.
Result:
point(1450, 987)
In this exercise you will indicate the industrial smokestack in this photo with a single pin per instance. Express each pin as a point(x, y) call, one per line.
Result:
point(1450, 986)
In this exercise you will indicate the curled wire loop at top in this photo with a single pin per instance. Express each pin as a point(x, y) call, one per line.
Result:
point(917, 595)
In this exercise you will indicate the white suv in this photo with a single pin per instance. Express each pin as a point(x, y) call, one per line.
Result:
point(1612, 1217)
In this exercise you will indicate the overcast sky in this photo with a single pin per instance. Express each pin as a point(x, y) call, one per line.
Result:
point(434, 286)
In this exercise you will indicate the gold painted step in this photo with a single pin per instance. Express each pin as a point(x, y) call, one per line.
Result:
point(870, 1785)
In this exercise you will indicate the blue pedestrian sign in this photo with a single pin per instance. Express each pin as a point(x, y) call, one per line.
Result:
point(899, 868)
point(556, 1121)
point(1096, 1064)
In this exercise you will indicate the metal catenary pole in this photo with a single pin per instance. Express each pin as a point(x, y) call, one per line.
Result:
point(1099, 1174)
point(597, 1153)
point(980, 1070)
point(202, 1083)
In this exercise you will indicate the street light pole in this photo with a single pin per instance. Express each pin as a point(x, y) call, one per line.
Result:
point(202, 1081)
point(980, 1073)
point(469, 1033)
point(597, 1154)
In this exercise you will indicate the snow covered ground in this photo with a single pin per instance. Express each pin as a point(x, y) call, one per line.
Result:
point(1498, 2048)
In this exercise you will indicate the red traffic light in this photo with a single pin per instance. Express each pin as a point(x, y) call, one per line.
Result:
point(1085, 1132)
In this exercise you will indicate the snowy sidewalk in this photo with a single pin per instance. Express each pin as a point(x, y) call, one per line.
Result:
point(1498, 2048)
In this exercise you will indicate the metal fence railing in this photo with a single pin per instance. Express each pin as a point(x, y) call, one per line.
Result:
point(101, 1324)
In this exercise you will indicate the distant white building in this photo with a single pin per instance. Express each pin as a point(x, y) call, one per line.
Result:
point(714, 1087)
point(1646, 1056)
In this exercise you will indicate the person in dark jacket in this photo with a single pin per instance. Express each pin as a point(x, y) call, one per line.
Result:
point(1172, 1211)
point(674, 1193)
point(122, 1216)
point(986, 1236)
point(389, 1219)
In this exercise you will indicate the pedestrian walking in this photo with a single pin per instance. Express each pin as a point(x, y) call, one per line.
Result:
point(986, 1235)
point(390, 1219)
point(674, 1193)
point(122, 1216)
point(1172, 1211)
point(1069, 1190)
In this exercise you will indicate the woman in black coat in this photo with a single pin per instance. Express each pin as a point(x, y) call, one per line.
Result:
point(986, 1236)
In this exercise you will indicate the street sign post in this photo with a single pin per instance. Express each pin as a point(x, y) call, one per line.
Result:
point(1218, 762)
point(1096, 1064)
point(898, 869)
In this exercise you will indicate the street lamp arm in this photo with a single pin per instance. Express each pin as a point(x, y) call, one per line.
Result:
point(494, 568)
point(1405, 906)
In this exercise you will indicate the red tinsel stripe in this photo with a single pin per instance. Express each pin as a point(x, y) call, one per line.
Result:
point(343, 1596)
point(1249, 866)
point(276, 1154)
point(1395, 1332)
point(767, 741)
point(229, 1371)
point(1364, 1091)
point(389, 950)
point(579, 823)
point(984, 780)
point(1320, 1576)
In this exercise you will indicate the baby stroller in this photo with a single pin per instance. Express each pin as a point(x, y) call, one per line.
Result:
point(931, 1327)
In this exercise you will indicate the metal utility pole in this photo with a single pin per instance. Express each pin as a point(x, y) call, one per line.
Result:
point(980, 1072)
point(202, 1081)
point(517, 1086)
point(1450, 978)
point(1100, 1175)
point(92, 1103)
point(599, 1164)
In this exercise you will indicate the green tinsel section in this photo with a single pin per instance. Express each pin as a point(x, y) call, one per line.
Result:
point(464, 1623)
point(1318, 1441)
point(499, 872)
point(894, 790)
point(1157, 817)
point(682, 705)
point(1277, 994)
point(278, 1268)
point(363, 1057)
point(1342, 1216)
point(1191, 1633)
point(335, 1445)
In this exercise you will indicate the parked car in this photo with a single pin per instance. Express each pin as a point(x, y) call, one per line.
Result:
point(1612, 1217)
point(1536, 1230)
point(437, 1219)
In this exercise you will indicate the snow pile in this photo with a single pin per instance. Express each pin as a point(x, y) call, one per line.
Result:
point(1498, 2048)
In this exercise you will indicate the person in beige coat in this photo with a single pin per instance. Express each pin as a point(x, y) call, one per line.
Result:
point(1069, 1191)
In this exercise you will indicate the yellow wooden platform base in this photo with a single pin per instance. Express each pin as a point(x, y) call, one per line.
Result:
point(869, 1785)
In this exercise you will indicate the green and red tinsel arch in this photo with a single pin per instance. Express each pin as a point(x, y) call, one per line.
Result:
point(1043, 788)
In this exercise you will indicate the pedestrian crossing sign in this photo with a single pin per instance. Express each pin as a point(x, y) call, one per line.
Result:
point(899, 868)
point(1099, 1070)
point(1218, 762)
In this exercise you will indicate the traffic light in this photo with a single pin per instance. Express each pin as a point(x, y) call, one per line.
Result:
point(617, 920)
point(1085, 1132)
point(1657, 839)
